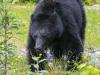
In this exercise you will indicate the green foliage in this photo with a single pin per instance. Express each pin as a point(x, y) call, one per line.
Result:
point(8, 27)
point(86, 69)
point(92, 30)
point(87, 2)
point(30, 1)
point(38, 61)
point(36, 1)
point(24, 1)
point(91, 2)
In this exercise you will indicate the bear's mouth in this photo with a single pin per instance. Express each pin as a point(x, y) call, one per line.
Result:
point(42, 50)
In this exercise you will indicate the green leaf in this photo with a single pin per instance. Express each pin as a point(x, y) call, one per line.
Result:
point(42, 60)
point(35, 58)
point(82, 66)
point(36, 66)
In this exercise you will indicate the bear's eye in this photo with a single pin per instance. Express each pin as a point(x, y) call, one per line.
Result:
point(45, 35)
point(42, 17)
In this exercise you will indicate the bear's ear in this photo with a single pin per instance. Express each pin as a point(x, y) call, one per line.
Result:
point(48, 6)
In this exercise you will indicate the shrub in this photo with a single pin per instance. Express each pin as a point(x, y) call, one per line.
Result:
point(91, 2)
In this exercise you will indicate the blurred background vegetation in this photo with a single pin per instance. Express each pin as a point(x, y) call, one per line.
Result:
point(14, 25)
point(87, 2)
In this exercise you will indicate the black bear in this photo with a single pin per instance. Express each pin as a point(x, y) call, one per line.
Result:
point(58, 25)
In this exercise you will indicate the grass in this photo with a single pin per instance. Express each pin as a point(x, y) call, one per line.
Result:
point(93, 29)
point(22, 13)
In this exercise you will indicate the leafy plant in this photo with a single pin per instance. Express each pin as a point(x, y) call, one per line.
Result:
point(38, 61)
point(91, 2)
point(8, 26)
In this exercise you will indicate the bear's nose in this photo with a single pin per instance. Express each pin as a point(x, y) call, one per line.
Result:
point(39, 44)
point(38, 47)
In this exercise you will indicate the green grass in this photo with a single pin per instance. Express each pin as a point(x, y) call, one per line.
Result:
point(93, 29)
point(22, 14)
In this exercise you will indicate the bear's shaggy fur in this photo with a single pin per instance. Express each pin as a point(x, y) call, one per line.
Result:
point(58, 25)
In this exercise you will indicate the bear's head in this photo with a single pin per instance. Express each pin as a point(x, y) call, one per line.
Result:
point(45, 29)
point(46, 26)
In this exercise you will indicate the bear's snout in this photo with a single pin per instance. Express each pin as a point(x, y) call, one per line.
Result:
point(39, 44)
